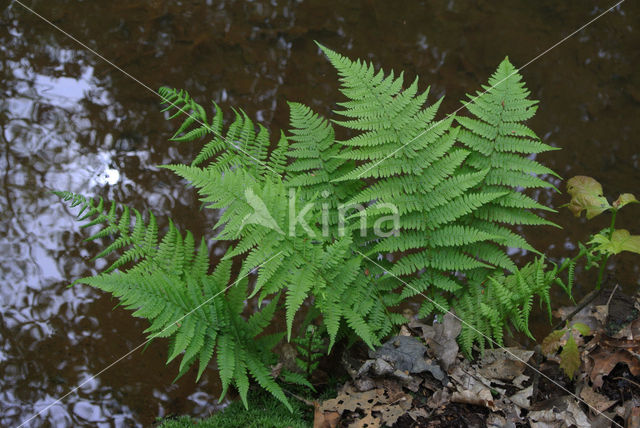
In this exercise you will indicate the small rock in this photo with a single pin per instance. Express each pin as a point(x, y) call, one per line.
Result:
point(381, 367)
point(364, 384)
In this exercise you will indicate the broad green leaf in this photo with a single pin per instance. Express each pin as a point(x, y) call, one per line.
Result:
point(624, 199)
point(586, 195)
point(570, 357)
point(621, 240)
point(581, 328)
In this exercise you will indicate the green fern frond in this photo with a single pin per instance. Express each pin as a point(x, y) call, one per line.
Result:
point(438, 200)
point(169, 284)
point(245, 145)
point(503, 301)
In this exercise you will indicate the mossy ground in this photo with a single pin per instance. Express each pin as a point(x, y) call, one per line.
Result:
point(264, 412)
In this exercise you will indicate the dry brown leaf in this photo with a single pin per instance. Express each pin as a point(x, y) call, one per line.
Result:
point(633, 420)
point(387, 399)
point(419, 412)
point(389, 414)
point(472, 389)
point(368, 421)
point(482, 398)
point(630, 331)
point(393, 393)
point(559, 412)
point(441, 338)
point(349, 399)
point(597, 401)
point(600, 312)
point(439, 398)
point(444, 342)
point(322, 419)
point(503, 364)
point(603, 361)
point(496, 421)
point(522, 398)
point(518, 381)
point(592, 316)
point(404, 331)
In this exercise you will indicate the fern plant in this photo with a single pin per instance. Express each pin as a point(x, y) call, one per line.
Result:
point(336, 223)
point(170, 285)
point(310, 347)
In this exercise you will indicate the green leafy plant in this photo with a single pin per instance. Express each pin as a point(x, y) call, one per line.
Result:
point(566, 339)
point(586, 195)
point(337, 223)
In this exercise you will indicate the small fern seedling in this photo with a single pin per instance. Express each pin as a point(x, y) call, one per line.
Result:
point(311, 348)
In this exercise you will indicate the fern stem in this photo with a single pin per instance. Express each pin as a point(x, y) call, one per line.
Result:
point(309, 354)
point(581, 254)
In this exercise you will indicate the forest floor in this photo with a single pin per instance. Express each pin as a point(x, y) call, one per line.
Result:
point(586, 373)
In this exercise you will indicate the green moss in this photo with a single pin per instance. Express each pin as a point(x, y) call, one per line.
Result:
point(264, 412)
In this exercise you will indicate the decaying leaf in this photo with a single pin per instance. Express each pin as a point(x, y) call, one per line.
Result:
point(586, 195)
point(621, 240)
point(441, 338)
point(472, 389)
point(439, 398)
point(522, 398)
point(496, 421)
point(404, 331)
point(624, 199)
point(570, 357)
point(349, 399)
point(419, 412)
point(481, 398)
point(369, 421)
point(322, 419)
point(633, 419)
point(384, 404)
point(593, 316)
point(630, 332)
point(595, 400)
point(504, 363)
point(390, 413)
point(600, 313)
point(444, 342)
point(559, 412)
point(603, 361)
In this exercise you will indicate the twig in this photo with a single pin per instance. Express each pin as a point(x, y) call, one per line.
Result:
point(628, 380)
point(584, 302)
point(611, 295)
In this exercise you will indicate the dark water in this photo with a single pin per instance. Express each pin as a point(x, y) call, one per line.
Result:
point(71, 121)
